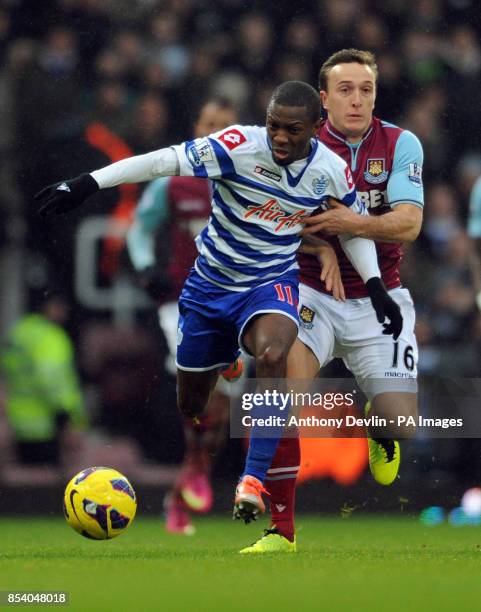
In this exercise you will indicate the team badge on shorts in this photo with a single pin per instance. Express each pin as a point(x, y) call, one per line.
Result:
point(375, 171)
point(306, 316)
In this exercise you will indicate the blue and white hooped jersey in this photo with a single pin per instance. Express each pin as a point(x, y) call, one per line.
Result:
point(257, 206)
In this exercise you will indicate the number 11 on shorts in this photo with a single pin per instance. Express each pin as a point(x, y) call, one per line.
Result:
point(284, 293)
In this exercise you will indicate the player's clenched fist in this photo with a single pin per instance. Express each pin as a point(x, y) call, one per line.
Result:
point(60, 198)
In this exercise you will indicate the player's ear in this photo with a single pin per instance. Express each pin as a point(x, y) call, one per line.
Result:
point(323, 95)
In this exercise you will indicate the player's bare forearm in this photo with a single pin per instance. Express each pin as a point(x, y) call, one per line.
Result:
point(330, 273)
point(402, 224)
point(310, 245)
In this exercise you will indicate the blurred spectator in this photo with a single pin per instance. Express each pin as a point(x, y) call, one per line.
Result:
point(110, 106)
point(474, 232)
point(429, 355)
point(462, 51)
point(302, 39)
point(44, 402)
point(338, 21)
point(422, 56)
point(292, 68)
point(392, 88)
point(255, 45)
point(204, 67)
point(426, 14)
point(49, 93)
point(441, 223)
point(424, 117)
point(168, 47)
point(150, 122)
point(371, 33)
point(467, 173)
point(128, 46)
point(453, 295)
point(233, 86)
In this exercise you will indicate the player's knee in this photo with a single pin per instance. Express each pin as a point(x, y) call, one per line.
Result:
point(272, 361)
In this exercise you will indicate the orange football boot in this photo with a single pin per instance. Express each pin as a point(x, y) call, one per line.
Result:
point(248, 503)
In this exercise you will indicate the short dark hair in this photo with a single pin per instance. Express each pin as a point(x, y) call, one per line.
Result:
point(221, 101)
point(346, 56)
point(298, 93)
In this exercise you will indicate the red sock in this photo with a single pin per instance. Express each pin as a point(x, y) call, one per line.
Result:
point(206, 437)
point(281, 484)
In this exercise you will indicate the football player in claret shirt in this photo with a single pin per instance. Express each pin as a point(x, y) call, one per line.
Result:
point(174, 210)
point(386, 164)
point(243, 289)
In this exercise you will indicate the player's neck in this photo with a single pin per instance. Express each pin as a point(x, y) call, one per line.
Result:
point(305, 155)
point(354, 140)
point(351, 138)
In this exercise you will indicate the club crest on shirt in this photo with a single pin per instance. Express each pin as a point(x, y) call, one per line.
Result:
point(375, 171)
point(306, 316)
point(320, 184)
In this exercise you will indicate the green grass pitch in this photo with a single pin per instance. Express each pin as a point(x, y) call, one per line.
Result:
point(356, 563)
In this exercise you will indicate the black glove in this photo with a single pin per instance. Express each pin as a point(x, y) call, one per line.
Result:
point(385, 306)
point(61, 198)
point(154, 283)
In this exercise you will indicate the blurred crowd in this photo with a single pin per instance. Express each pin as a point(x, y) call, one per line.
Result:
point(88, 81)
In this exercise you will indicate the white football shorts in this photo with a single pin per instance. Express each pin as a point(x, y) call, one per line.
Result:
point(350, 330)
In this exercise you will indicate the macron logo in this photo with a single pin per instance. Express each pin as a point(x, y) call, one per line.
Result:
point(280, 508)
point(63, 187)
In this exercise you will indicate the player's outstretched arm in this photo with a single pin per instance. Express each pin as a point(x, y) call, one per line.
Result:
point(61, 198)
point(363, 256)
